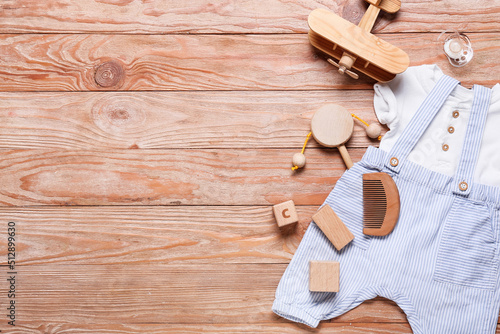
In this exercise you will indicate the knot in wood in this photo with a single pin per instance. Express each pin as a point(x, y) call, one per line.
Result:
point(353, 11)
point(120, 116)
point(109, 74)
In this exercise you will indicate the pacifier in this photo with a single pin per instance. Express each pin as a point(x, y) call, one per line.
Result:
point(457, 47)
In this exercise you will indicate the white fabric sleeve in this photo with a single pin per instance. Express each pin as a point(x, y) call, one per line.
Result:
point(389, 96)
point(404, 94)
point(385, 104)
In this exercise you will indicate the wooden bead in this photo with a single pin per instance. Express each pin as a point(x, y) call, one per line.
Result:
point(299, 160)
point(373, 130)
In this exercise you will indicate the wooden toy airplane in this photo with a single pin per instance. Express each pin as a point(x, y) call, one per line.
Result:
point(355, 46)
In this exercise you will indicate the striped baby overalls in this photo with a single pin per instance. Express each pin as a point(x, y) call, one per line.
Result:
point(439, 264)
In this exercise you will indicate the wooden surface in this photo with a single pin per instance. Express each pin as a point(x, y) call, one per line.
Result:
point(144, 144)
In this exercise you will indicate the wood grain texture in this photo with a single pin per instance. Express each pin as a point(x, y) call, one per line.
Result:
point(147, 291)
point(333, 228)
point(150, 210)
point(164, 294)
point(324, 276)
point(332, 125)
point(390, 6)
point(348, 61)
point(285, 214)
point(285, 328)
point(238, 16)
point(167, 177)
point(358, 41)
point(208, 62)
point(370, 16)
point(381, 204)
point(128, 236)
point(154, 120)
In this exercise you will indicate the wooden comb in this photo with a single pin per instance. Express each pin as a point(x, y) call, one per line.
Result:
point(380, 204)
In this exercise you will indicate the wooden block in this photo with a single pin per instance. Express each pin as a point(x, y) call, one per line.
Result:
point(331, 225)
point(324, 276)
point(285, 213)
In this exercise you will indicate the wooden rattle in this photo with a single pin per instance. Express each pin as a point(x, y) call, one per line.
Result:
point(332, 126)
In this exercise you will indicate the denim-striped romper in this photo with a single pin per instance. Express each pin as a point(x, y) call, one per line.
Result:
point(439, 264)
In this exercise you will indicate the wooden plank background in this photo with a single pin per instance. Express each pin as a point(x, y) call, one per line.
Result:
point(142, 200)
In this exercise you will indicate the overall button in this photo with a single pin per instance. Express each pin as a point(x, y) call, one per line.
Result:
point(463, 186)
point(456, 114)
point(394, 161)
point(445, 147)
point(451, 129)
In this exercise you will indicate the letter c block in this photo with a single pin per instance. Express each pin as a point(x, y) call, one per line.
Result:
point(285, 213)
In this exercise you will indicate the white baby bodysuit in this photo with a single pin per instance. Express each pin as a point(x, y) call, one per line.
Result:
point(440, 147)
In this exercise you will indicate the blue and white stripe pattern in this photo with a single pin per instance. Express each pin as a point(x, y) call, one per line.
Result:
point(440, 264)
point(421, 120)
point(470, 150)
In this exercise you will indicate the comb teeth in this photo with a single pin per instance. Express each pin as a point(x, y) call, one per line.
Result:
point(380, 204)
point(375, 203)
